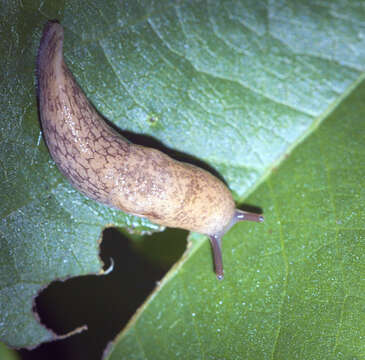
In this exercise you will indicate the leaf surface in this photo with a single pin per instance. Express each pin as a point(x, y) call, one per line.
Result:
point(234, 86)
point(294, 285)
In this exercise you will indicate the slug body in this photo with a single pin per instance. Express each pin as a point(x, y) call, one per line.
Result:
point(106, 167)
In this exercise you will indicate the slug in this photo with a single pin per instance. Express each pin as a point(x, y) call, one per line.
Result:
point(106, 167)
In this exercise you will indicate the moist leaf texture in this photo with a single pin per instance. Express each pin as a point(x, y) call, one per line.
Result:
point(241, 86)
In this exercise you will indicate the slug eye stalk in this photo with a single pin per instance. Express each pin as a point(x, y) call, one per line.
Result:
point(216, 240)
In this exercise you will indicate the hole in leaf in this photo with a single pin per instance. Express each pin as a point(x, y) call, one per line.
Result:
point(105, 303)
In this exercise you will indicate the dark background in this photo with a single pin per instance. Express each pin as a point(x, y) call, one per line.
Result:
point(105, 303)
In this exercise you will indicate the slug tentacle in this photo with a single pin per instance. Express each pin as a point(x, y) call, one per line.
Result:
point(216, 243)
point(216, 239)
point(104, 166)
point(240, 215)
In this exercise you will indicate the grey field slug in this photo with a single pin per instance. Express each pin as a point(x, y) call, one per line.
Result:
point(106, 167)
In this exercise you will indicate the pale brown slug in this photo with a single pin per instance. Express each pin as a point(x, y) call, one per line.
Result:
point(104, 166)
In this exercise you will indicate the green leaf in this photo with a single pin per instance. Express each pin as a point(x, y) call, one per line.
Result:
point(294, 285)
point(7, 354)
point(236, 85)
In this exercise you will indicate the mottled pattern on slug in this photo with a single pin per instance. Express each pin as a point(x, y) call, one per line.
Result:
point(172, 193)
point(105, 167)
point(79, 142)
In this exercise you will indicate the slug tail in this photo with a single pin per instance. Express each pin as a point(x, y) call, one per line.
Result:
point(51, 44)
